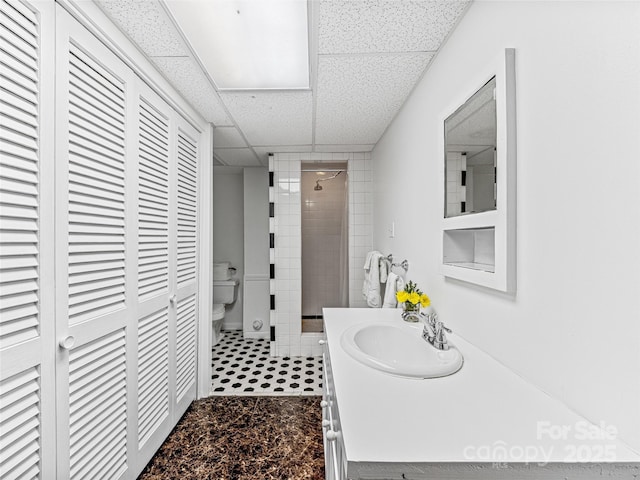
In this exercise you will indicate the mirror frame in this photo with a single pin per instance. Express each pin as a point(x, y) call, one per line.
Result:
point(503, 219)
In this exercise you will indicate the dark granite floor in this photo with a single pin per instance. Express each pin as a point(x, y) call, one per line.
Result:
point(242, 438)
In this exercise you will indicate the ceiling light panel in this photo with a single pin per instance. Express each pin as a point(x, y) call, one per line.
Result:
point(248, 44)
point(367, 26)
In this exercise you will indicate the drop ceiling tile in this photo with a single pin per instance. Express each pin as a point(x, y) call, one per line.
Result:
point(272, 118)
point(283, 149)
point(263, 152)
point(187, 77)
point(237, 157)
point(357, 96)
point(343, 148)
point(227, 137)
point(347, 26)
point(147, 24)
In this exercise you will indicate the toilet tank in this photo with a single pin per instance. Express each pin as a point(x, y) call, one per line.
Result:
point(221, 271)
point(225, 291)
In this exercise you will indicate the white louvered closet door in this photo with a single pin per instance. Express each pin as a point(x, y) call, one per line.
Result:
point(155, 334)
point(166, 255)
point(95, 255)
point(185, 196)
point(27, 408)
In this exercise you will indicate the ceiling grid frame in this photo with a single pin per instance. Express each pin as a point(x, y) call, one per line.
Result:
point(398, 38)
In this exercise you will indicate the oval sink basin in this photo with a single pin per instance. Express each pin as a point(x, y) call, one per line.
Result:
point(399, 351)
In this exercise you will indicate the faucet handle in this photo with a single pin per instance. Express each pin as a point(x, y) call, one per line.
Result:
point(442, 327)
point(440, 341)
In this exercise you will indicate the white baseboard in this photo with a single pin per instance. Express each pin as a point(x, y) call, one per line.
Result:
point(231, 325)
point(256, 334)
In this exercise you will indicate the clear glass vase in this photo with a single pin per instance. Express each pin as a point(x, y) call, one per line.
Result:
point(411, 312)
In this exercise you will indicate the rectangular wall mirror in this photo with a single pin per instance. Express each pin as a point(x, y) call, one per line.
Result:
point(478, 148)
point(470, 154)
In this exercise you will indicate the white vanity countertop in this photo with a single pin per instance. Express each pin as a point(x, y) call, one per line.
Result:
point(483, 409)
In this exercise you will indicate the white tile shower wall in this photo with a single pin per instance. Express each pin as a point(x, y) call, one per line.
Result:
point(287, 252)
point(360, 222)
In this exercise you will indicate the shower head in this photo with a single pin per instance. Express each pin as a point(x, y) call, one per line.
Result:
point(318, 187)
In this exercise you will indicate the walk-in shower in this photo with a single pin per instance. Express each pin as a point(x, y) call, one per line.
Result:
point(324, 224)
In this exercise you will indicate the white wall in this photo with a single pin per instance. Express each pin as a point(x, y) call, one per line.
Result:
point(256, 221)
point(228, 232)
point(256, 252)
point(573, 328)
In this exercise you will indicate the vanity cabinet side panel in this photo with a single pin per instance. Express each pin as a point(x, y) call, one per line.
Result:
point(335, 456)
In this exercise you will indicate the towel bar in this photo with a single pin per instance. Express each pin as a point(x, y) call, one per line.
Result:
point(403, 264)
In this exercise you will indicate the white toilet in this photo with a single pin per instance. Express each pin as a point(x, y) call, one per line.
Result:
point(225, 291)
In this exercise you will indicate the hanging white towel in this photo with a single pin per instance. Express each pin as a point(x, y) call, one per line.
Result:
point(384, 268)
point(372, 276)
point(390, 292)
point(395, 283)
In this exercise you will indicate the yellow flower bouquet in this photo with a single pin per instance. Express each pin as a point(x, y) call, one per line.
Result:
point(411, 299)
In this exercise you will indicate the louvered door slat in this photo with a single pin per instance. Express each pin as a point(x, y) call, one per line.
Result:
point(153, 201)
point(112, 267)
point(19, 170)
point(96, 188)
point(97, 159)
point(81, 107)
point(19, 264)
point(88, 193)
point(17, 14)
point(13, 114)
point(187, 209)
point(89, 79)
point(22, 287)
point(14, 67)
point(20, 425)
point(26, 106)
point(98, 409)
point(185, 343)
point(19, 20)
point(81, 247)
point(153, 373)
point(15, 129)
point(21, 90)
point(95, 131)
point(103, 283)
point(15, 47)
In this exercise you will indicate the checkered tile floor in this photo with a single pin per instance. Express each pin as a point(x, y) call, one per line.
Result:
point(244, 367)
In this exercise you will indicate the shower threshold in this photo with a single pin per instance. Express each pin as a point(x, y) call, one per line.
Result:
point(312, 324)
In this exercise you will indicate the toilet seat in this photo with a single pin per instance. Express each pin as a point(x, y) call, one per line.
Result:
point(218, 311)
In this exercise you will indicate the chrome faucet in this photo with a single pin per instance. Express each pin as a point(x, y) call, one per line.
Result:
point(433, 331)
